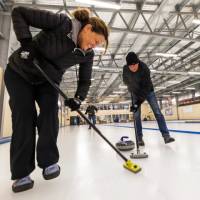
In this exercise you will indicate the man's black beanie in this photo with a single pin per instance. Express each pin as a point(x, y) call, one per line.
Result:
point(132, 58)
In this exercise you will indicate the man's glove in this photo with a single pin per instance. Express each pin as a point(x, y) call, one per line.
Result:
point(27, 50)
point(134, 108)
point(73, 103)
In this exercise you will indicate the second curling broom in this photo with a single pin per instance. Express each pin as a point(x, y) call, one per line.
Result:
point(137, 154)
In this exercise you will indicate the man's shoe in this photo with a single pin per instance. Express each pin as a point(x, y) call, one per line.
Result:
point(22, 184)
point(168, 139)
point(51, 172)
point(141, 142)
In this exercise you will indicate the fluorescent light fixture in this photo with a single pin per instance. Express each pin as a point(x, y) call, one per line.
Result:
point(176, 92)
point(174, 82)
point(190, 88)
point(153, 70)
point(167, 55)
point(92, 79)
point(119, 92)
point(166, 95)
point(194, 73)
point(113, 95)
point(95, 67)
point(160, 87)
point(100, 4)
point(99, 49)
point(196, 21)
point(122, 86)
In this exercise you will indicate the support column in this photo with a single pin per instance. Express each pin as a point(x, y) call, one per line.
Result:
point(160, 104)
point(193, 94)
point(176, 98)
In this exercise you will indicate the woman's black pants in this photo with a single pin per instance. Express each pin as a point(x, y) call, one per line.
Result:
point(25, 120)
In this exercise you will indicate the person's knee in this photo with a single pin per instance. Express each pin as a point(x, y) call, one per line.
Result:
point(25, 108)
point(49, 106)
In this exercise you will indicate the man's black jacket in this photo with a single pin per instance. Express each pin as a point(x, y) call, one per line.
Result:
point(139, 83)
point(52, 42)
point(91, 110)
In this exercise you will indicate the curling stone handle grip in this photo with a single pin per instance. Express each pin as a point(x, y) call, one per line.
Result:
point(123, 137)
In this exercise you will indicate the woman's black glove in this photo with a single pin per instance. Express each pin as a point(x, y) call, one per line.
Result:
point(27, 50)
point(73, 103)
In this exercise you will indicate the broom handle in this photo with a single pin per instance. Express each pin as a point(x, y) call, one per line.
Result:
point(55, 86)
point(135, 127)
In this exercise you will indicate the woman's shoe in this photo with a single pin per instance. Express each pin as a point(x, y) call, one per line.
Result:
point(22, 184)
point(51, 172)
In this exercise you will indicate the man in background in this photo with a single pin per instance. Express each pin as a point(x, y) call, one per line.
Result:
point(136, 75)
point(91, 111)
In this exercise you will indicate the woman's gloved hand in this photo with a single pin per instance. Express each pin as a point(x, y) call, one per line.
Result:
point(27, 50)
point(73, 103)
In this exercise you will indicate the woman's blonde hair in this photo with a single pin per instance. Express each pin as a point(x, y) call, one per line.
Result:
point(98, 25)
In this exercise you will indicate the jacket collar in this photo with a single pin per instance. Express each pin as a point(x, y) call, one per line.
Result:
point(76, 27)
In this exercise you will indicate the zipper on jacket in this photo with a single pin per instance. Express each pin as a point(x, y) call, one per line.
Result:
point(78, 49)
point(69, 35)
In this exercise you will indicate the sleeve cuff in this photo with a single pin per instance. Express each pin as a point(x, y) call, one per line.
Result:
point(79, 97)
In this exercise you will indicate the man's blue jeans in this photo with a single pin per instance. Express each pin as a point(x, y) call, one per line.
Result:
point(92, 118)
point(151, 99)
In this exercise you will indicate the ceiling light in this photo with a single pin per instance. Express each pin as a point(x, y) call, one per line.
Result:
point(166, 95)
point(196, 21)
point(113, 95)
point(190, 88)
point(122, 86)
point(119, 92)
point(95, 67)
point(194, 73)
point(99, 49)
point(174, 82)
point(160, 87)
point(176, 92)
point(100, 4)
point(167, 55)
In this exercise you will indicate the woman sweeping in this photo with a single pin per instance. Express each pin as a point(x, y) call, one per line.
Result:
point(63, 42)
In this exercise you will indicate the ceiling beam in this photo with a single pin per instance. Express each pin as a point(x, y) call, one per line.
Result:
point(49, 6)
point(153, 34)
point(178, 86)
point(109, 69)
